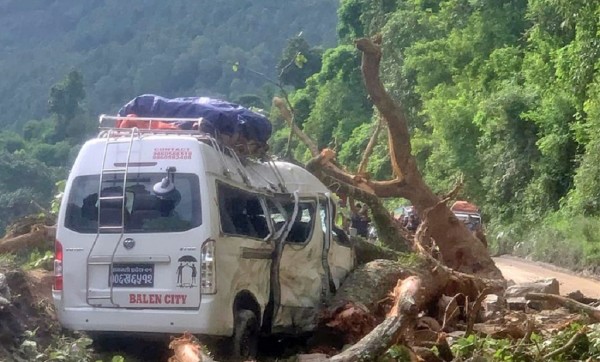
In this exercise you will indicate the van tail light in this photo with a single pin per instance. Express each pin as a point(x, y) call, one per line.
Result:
point(208, 271)
point(58, 265)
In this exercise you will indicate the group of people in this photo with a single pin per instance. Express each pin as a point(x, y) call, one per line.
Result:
point(354, 219)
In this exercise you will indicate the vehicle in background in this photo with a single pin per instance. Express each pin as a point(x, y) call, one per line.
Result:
point(470, 215)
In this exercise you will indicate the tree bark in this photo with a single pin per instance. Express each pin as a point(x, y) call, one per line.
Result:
point(411, 296)
point(366, 252)
point(364, 162)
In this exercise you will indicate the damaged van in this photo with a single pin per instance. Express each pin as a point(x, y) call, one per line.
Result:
point(170, 230)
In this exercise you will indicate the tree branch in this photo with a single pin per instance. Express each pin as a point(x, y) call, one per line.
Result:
point(362, 167)
point(289, 117)
point(570, 304)
point(392, 113)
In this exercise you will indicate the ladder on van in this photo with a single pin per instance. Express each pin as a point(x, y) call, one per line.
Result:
point(112, 139)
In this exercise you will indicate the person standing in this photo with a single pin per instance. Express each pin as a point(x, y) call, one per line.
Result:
point(360, 219)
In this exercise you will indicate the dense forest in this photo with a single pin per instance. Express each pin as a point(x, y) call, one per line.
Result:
point(501, 94)
point(127, 48)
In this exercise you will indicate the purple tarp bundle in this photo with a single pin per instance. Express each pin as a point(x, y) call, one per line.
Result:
point(218, 116)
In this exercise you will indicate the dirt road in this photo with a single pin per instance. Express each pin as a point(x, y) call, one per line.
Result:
point(521, 271)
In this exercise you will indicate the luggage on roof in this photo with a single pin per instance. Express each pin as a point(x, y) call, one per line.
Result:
point(219, 117)
point(464, 206)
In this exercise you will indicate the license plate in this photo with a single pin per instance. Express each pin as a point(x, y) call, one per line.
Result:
point(132, 275)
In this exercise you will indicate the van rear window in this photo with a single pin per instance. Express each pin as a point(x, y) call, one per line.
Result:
point(145, 211)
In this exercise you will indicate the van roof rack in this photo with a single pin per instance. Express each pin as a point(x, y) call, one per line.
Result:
point(108, 126)
point(106, 122)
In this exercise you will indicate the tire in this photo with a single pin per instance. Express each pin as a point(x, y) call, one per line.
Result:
point(245, 335)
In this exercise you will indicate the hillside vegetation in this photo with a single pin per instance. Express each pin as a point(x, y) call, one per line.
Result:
point(123, 49)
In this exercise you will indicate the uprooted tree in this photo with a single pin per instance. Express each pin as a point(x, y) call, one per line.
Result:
point(464, 265)
point(458, 247)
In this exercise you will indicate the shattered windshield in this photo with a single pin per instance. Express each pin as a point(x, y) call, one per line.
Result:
point(144, 210)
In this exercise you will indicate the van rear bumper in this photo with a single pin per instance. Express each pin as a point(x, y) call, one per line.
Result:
point(203, 321)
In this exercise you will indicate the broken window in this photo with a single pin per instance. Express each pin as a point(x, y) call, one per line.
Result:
point(144, 211)
point(302, 227)
point(241, 212)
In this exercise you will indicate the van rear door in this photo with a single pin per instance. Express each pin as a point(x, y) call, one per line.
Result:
point(147, 254)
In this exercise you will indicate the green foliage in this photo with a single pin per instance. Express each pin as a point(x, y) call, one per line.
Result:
point(586, 346)
point(503, 94)
point(24, 181)
point(62, 349)
point(396, 353)
point(298, 62)
point(39, 259)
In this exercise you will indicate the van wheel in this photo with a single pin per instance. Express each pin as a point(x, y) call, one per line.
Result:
point(245, 335)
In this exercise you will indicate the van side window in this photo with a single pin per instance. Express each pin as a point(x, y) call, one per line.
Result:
point(241, 213)
point(302, 227)
point(339, 235)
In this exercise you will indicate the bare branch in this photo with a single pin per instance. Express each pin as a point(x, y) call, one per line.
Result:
point(362, 167)
point(570, 344)
point(392, 113)
point(475, 310)
point(570, 304)
point(289, 117)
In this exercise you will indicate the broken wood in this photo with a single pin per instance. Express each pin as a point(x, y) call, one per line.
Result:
point(568, 303)
point(424, 283)
point(24, 224)
point(187, 348)
point(355, 309)
point(412, 295)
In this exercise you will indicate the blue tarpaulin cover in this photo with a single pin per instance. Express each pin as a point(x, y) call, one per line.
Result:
point(223, 117)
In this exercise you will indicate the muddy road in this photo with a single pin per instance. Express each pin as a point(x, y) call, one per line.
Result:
point(521, 271)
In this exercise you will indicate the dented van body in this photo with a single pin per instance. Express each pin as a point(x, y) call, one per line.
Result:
point(240, 235)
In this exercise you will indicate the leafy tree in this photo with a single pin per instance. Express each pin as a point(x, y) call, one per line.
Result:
point(23, 182)
point(65, 105)
point(298, 62)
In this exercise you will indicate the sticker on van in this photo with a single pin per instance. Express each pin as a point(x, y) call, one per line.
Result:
point(187, 272)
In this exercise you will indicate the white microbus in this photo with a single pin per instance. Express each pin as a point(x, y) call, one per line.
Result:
point(170, 231)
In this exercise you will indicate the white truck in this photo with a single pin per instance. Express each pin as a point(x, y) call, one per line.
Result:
point(170, 231)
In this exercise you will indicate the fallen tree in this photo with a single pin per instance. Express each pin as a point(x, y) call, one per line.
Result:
point(464, 267)
point(39, 235)
point(458, 247)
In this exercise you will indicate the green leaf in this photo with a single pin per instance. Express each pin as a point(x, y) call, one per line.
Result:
point(236, 66)
point(300, 60)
